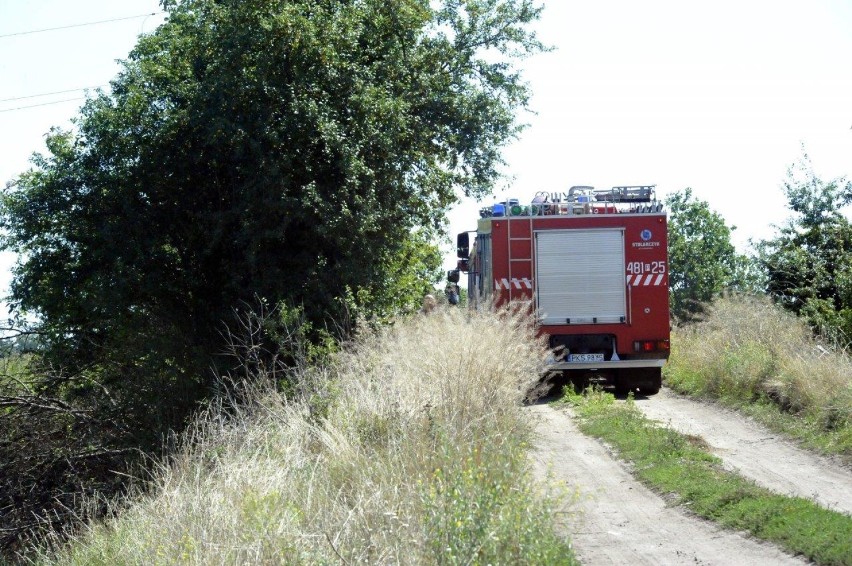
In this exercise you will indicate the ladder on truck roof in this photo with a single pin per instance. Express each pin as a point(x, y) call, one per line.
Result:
point(514, 283)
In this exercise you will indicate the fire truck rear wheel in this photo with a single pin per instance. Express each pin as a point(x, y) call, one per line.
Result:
point(650, 390)
point(645, 381)
point(580, 382)
point(652, 382)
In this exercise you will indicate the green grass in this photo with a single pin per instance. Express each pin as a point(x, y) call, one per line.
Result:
point(754, 357)
point(677, 466)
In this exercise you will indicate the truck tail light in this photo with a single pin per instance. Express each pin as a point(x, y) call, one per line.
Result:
point(651, 346)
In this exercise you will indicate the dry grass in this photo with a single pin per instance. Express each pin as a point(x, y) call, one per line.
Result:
point(748, 351)
point(411, 451)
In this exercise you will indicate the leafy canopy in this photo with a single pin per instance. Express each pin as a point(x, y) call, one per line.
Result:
point(292, 150)
point(809, 262)
point(702, 260)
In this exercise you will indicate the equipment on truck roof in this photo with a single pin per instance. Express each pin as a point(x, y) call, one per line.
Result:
point(580, 199)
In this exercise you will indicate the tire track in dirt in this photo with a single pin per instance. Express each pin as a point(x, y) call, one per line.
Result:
point(617, 520)
point(755, 452)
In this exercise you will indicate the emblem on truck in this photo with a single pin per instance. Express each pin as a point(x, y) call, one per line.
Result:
point(646, 236)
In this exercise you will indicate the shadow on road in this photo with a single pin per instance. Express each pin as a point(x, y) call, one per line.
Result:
point(551, 387)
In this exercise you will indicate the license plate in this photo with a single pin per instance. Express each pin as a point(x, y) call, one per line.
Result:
point(586, 358)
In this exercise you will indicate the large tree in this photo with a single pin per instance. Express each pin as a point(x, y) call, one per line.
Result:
point(285, 149)
point(302, 152)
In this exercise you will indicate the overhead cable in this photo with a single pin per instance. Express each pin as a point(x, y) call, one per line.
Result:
point(78, 25)
point(42, 104)
point(50, 93)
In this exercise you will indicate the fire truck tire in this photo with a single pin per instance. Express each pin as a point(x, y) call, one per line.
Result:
point(621, 389)
point(579, 382)
point(652, 383)
point(647, 381)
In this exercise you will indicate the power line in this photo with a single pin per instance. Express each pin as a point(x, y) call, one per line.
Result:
point(43, 104)
point(79, 25)
point(50, 93)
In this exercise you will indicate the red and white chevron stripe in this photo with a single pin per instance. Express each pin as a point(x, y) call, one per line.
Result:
point(649, 280)
point(522, 283)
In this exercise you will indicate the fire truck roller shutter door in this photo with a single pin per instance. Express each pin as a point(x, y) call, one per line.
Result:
point(580, 276)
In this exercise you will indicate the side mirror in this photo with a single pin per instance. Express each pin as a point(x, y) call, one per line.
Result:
point(463, 245)
point(453, 276)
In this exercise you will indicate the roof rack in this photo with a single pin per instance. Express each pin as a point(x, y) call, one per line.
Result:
point(581, 199)
point(626, 193)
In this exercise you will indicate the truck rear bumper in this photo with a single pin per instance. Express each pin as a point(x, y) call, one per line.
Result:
point(620, 364)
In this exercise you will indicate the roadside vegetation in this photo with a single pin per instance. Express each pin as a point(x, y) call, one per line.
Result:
point(410, 449)
point(804, 267)
point(756, 357)
point(677, 466)
point(702, 260)
point(296, 153)
point(769, 333)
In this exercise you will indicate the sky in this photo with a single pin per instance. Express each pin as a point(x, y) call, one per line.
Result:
point(52, 62)
point(717, 96)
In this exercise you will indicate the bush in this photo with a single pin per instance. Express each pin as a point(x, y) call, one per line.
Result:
point(749, 351)
point(410, 449)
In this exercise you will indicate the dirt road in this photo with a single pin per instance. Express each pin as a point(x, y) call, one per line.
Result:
point(616, 520)
point(755, 452)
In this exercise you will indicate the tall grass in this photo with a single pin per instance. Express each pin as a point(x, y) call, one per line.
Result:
point(410, 450)
point(751, 353)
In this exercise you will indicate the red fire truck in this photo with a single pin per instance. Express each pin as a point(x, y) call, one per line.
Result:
point(593, 264)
